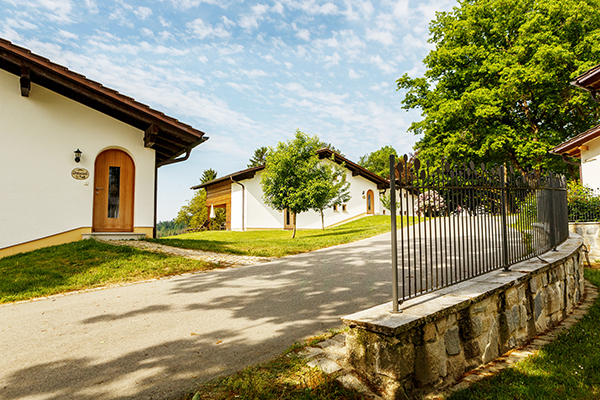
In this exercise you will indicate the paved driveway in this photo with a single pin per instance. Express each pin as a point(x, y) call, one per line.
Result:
point(154, 340)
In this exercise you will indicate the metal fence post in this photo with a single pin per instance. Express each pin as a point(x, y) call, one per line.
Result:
point(394, 239)
point(504, 221)
point(552, 212)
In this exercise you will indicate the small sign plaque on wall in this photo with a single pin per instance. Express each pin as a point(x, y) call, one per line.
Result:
point(80, 174)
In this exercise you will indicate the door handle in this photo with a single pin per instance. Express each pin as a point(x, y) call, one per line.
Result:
point(99, 188)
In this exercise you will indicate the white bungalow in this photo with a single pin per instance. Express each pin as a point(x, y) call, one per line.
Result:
point(77, 158)
point(241, 195)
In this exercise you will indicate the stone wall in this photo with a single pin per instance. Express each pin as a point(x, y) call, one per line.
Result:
point(441, 335)
point(590, 232)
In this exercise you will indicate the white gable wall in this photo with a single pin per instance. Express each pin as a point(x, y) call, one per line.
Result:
point(38, 196)
point(590, 164)
point(260, 216)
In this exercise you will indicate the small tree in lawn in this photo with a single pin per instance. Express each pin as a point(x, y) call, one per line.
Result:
point(329, 188)
point(292, 169)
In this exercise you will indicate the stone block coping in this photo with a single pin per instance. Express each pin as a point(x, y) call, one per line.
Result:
point(431, 306)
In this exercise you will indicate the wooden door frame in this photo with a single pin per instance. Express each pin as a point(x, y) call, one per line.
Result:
point(128, 225)
point(370, 203)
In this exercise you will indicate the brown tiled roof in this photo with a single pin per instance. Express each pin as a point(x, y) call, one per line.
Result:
point(572, 146)
point(356, 169)
point(172, 138)
point(589, 81)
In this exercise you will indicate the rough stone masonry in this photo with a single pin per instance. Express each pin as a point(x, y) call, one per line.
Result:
point(441, 335)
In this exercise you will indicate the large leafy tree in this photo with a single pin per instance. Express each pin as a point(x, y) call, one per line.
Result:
point(496, 88)
point(378, 161)
point(293, 175)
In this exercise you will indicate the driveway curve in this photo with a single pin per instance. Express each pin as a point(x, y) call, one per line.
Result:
point(156, 340)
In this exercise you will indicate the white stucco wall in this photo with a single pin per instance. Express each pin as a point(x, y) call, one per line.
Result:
point(590, 164)
point(260, 216)
point(39, 133)
point(408, 203)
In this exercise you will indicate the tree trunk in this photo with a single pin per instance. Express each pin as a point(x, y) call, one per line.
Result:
point(322, 221)
point(294, 218)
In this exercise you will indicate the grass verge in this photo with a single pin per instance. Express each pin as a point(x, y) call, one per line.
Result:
point(285, 377)
point(568, 368)
point(82, 265)
point(278, 243)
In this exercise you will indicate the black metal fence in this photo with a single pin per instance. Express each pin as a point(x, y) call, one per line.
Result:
point(455, 224)
point(584, 204)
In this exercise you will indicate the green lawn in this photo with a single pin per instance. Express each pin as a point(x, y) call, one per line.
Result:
point(286, 377)
point(278, 243)
point(568, 368)
point(83, 264)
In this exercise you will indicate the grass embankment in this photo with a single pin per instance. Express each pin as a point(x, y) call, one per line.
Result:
point(81, 265)
point(568, 368)
point(278, 243)
point(286, 377)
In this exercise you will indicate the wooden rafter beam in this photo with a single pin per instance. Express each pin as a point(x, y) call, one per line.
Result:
point(150, 136)
point(25, 81)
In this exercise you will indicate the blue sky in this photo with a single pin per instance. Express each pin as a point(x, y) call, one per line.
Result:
point(246, 73)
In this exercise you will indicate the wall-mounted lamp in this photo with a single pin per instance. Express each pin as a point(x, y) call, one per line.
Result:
point(77, 155)
point(363, 193)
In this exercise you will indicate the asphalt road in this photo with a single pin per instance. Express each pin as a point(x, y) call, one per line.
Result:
point(157, 339)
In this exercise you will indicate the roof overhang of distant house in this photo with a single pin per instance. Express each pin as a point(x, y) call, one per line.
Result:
point(356, 170)
point(169, 137)
point(573, 147)
point(589, 81)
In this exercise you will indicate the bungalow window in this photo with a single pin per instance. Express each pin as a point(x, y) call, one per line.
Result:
point(344, 208)
point(335, 208)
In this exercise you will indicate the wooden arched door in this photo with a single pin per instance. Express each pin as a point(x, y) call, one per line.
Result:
point(114, 183)
point(370, 202)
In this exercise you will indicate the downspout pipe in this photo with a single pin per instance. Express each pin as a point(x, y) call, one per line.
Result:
point(243, 203)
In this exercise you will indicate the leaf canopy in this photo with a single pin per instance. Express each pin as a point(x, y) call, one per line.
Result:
point(496, 88)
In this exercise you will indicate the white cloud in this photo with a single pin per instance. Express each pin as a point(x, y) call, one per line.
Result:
point(312, 7)
point(143, 12)
point(386, 67)
point(67, 35)
point(252, 20)
point(238, 86)
point(187, 4)
point(164, 22)
point(91, 6)
point(278, 8)
point(20, 24)
point(363, 9)
point(332, 60)
point(230, 49)
point(289, 65)
point(147, 32)
point(227, 21)
point(203, 29)
point(379, 87)
point(303, 34)
point(254, 73)
point(203, 59)
point(119, 14)
point(353, 75)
